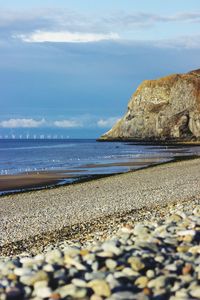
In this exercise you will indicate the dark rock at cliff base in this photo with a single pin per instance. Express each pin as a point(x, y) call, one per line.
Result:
point(166, 109)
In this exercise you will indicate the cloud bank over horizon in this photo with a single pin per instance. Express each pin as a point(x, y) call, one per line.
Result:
point(84, 121)
point(22, 123)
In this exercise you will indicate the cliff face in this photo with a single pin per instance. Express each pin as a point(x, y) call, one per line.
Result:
point(162, 109)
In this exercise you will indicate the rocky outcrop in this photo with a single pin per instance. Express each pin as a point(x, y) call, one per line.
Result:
point(160, 110)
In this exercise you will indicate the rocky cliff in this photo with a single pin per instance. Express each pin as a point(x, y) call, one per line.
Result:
point(164, 109)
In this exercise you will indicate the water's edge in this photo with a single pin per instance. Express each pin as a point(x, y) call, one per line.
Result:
point(86, 178)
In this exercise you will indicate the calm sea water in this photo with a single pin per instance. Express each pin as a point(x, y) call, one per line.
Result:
point(19, 156)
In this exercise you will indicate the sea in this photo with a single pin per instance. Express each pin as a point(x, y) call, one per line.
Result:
point(85, 158)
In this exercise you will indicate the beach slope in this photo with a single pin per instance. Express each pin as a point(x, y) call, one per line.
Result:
point(32, 220)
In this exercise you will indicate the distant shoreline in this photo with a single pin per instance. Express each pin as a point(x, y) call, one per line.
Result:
point(150, 141)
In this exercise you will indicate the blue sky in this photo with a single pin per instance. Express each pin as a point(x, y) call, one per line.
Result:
point(69, 67)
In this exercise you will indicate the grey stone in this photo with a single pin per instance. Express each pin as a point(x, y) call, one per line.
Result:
point(43, 292)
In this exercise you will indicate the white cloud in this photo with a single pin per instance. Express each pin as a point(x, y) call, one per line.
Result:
point(68, 124)
point(187, 42)
point(106, 123)
point(73, 20)
point(144, 20)
point(22, 123)
point(83, 121)
point(65, 37)
point(66, 26)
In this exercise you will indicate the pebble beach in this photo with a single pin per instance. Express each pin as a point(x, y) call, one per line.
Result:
point(130, 236)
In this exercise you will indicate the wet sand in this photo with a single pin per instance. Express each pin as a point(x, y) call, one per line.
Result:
point(43, 179)
point(133, 164)
point(32, 220)
point(31, 180)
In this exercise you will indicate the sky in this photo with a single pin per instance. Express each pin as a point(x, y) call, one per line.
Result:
point(69, 68)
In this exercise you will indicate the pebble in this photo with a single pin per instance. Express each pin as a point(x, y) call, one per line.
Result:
point(55, 296)
point(43, 292)
point(79, 282)
point(140, 229)
point(186, 232)
point(31, 279)
point(14, 293)
point(72, 262)
point(187, 269)
point(194, 250)
point(124, 296)
point(111, 247)
point(95, 297)
point(111, 264)
point(141, 282)
point(157, 259)
point(157, 283)
point(195, 293)
point(136, 263)
point(66, 290)
point(100, 287)
point(174, 218)
point(150, 274)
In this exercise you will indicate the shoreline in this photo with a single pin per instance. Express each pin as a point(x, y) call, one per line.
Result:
point(44, 180)
point(38, 218)
point(152, 142)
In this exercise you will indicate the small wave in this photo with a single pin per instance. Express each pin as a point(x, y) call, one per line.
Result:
point(116, 156)
point(38, 147)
